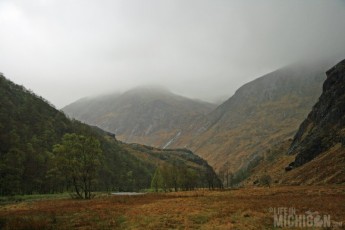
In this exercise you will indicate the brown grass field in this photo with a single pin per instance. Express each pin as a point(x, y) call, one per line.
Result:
point(247, 208)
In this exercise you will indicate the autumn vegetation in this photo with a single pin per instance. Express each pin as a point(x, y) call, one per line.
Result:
point(51, 167)
point(247, 208)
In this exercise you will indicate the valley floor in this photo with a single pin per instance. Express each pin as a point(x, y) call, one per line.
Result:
point(247, 208)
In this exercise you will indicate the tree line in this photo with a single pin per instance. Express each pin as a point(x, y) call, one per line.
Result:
point(178, 176)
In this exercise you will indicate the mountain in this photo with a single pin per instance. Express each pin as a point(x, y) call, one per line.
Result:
point(321, 136)
point(259, 115)
point(145, 115)
point(30, 127)
point(325, 125)
point(316, 154)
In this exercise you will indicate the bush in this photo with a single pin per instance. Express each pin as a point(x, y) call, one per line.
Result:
point(265, 180)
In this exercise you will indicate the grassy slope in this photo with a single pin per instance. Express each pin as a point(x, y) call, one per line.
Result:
point(160, 156)
point(327, 168)
point(318, 148)
point(146, 116)
point(262, 129)
point(258, 116)
point(235, 209)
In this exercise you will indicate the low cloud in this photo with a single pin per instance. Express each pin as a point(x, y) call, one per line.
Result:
point(64, 50)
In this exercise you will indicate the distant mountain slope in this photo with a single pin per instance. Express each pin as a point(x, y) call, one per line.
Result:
point(257, 116)
point(149, 116)
point(260, 114)
point(317, 151)
point(30, 127)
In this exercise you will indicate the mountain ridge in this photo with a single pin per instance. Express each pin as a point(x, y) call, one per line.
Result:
point(138, 112)
point(315, 155)
point(256, 115)
point(260, 114)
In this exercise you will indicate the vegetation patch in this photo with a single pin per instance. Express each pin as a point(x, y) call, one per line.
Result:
point(247, 208)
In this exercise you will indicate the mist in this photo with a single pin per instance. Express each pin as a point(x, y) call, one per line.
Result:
point(64, 50)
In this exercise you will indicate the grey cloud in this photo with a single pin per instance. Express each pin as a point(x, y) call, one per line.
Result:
point(64, 50)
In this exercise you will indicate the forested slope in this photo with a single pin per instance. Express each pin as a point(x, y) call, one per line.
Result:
point(30, 128)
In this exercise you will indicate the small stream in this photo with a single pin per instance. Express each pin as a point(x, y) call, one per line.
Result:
point(127, 193)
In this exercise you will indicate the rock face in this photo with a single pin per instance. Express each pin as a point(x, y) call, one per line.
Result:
point(325, 124)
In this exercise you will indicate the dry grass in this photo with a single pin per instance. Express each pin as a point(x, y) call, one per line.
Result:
point(235, 209)
point(326, 168)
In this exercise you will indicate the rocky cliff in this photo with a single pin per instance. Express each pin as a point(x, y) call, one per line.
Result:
point(325, 125)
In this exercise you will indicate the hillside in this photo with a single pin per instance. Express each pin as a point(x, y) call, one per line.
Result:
point(259, 115)
point(145, 115)
point(325, 124)
point(181, 164)
point(316, 154)
point(320, 140)
point(29, 129)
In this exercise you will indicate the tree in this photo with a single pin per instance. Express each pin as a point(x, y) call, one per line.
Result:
point(174, 176)
point(11, 172)
point(265, 180)
point(79, 158)
point(157, 180)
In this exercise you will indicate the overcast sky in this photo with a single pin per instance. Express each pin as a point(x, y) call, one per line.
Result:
point(67, 49)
